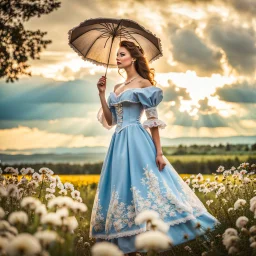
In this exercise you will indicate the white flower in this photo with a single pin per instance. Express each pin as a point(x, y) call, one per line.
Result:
point(152, 240)
point(2, 213)
point(146, 215)
point(239, 203)
point(230, 232)
point(44, 170)
point(230, 209)
point(159, 225)
point(63, 212)
point(71, 223)
point(243, 172)
point(60, 185)
point(253, 245)
point(51, 190)
point(79, 207)
point(69, 186)
point(61, 201)
point(36, 176)
point(229, 241)
point(241, 221)
point(105, 249)
point(46, 236)
point(18, 217)
point(208, 202)
point(11, 170)
point(63, 192)
point(53, 185)
point(51, 218)
point(41, 210)
point(49, 196)
point(75, 193)
point(220, 169)
point(199, 177)
point(30, 202)
point(23, 244)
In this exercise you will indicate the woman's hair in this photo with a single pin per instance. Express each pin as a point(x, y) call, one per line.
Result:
point(141, 63)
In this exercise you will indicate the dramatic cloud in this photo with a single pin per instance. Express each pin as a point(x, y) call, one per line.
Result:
point(174, 93)
point(237, 42)
point(191, 51)
point(243, 92)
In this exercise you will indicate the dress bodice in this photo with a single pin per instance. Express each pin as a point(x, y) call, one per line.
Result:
point(127, 108)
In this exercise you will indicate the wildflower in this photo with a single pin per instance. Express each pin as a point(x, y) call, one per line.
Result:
point(199, 177)
point(241, 221)
point(70, 222)
point(105, 249)
point(159, 225)
point(252, 230)
point(23, 244)
point(146, 215)
point(232, 250)
point(18, 217)
point(46, 237)
point(230, 232)
point(239, 203)
point(63, 192)
point(79, 207)
point(69, 186)
point(51, 218)
point(208, 202)
point(30, 202)
point(220, 169)
point(41, 210)
point(152, 240)
point(75, 193)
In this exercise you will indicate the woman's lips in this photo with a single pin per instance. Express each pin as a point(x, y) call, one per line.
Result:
point(118, 62)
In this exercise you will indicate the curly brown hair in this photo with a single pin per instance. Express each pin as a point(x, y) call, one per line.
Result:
point(141, 63)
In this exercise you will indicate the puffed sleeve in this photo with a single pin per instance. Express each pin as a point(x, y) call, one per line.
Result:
point(150, 97)
point(101, 117)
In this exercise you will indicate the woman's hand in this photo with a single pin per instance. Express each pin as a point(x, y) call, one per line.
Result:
point(102, 84)
point(160, 162)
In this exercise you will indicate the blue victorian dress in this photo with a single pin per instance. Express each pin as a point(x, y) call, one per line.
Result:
point(131, 182)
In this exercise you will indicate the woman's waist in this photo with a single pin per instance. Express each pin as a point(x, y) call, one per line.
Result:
point(121, 125)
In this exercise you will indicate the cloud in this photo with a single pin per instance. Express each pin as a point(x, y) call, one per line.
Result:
point(245, 6)
point(237, 42)
point(174, 93)
point(192, 52)
point(242, 92)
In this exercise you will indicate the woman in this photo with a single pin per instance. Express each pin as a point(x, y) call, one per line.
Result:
point(135, 175)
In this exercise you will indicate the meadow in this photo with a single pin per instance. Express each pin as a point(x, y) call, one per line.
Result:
point(46, 214)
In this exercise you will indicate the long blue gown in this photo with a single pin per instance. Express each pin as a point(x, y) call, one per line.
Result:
point(131, 182)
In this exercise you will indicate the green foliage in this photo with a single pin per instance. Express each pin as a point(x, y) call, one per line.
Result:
point(18, 44)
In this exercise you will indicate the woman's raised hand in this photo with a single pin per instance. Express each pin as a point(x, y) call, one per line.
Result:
point(102, 84)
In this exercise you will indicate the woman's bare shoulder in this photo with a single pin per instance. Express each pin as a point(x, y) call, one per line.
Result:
point(145, 83)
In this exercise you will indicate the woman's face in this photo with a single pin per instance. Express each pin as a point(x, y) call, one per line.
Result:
point(123, 58)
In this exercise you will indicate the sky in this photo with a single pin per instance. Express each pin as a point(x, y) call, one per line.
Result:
point(207, 74)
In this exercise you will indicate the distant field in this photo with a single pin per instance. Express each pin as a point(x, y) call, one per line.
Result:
point(79, 180)
point(204, 158)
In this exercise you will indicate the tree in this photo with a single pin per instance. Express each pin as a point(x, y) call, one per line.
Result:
point(17, 45)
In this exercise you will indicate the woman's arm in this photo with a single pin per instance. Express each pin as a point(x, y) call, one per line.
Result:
point(106, 111)
point(159, 153)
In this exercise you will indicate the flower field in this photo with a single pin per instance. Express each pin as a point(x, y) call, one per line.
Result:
point(46, 214)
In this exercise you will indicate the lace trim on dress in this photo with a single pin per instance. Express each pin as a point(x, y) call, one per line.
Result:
point(154, 123)
point(101, 118)
point(167, 201)
point(152, 119)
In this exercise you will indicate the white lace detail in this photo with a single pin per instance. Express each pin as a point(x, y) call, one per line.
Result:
point(154, 123)
point(152, 119)
point(160, 198)
point(151, 112)
point(101, 118)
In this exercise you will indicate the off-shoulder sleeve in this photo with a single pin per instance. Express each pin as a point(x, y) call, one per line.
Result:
point(150, 97)
point(101, 117)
